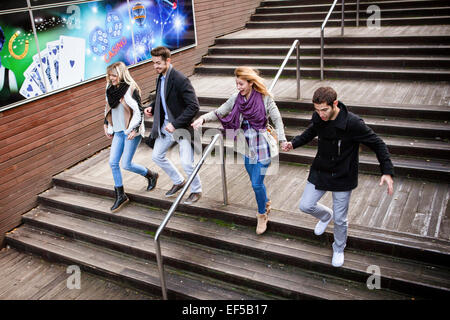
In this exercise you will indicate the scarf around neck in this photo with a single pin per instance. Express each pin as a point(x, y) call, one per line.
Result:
point(114, 94)
point(253, 111)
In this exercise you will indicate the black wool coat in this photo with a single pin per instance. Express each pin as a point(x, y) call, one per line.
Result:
point(181, 101)
point(335, 167)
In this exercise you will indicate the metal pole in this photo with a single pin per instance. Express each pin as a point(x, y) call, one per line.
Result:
point(321, 54)
point(298, 70)
point(342, 18)
point(169, 214)
point(162, 276)
point(224, 178)
point(357, 13)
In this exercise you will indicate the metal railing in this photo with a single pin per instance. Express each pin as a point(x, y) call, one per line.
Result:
point(357, 13)
point(295, 44)
point(322, 28)
point(172, 209)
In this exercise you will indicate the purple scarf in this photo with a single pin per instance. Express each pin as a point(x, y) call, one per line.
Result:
point(253, 111)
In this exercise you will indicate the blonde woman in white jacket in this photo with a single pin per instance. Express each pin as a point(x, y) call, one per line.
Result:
point(124, 124)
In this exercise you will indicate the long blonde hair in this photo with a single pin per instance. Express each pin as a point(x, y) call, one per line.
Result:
point(124, 75)
point(252, 75)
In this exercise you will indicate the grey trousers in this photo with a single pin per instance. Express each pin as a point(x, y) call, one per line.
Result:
point(308, 204)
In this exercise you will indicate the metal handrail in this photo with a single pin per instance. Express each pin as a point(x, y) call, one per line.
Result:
point(322, 28)
point(172, 209)
point(357, 13)
point(295, 44)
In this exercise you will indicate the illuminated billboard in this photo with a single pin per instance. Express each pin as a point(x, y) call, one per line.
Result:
point(46, 48)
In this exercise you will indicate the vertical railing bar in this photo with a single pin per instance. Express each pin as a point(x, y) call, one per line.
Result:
point(159, 258)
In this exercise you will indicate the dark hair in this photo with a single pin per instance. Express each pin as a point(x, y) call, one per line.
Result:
point(325, 94)
point(161, 52)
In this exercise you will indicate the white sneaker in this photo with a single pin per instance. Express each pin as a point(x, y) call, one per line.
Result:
point(338, 259)
point(321, 226)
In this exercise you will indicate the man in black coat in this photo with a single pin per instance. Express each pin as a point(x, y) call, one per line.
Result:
point(174, 108)
point(335, 167)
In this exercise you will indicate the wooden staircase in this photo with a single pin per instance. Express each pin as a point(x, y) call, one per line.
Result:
point(210, 250)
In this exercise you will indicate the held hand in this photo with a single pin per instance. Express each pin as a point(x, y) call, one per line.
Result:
point(170, 128)
point(109, 136)
point(131, 135)
point(389, 181)
point(197, 123)
point(286, 146)
point(148, 111)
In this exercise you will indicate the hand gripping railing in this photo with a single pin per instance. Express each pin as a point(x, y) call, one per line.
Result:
point(322, 28)
point(172, 209)
point(295, 44)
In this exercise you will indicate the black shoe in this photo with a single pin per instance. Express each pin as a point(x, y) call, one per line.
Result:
point(193, 197)
point(152, 177)
point(121, 199)
point(175, 188)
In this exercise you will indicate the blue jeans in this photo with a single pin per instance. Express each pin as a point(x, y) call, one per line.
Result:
point(162, 145)
point(123, 148)
point(257, 172)
point(309, 204)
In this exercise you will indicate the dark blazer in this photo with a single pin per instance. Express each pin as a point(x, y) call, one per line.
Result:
point(335, 167)
point(181, 101)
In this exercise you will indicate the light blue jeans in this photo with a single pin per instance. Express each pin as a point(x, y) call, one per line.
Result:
point(257, 172)
point(162, 144)
point(123, 148)
point(308, 204)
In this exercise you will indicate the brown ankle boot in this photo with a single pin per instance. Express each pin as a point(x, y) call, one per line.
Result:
point(262, 222)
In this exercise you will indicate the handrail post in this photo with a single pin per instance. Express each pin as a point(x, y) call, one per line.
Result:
point(357, 13)
point(224, 176)
point(298, 70)
point(295, 44)
point(342, 18)
point(159, 258)
point(321, 54)
point(162, 277)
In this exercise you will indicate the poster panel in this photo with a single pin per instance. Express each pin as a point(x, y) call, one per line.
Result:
point(79, 41)
point(17, 47)
point(161, 23)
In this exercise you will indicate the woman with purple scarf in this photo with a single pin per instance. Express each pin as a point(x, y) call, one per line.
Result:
point(245, 115)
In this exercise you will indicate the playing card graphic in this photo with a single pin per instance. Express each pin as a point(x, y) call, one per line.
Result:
point(29, 88)
point(53, 58)
point(71, 60)
point(49, 76)
point(34, 73)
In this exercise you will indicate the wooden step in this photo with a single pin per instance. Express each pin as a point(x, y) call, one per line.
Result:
point(284, 7)
point(397, 274)
point(341, 72)
point(140, 273)
point(397, 145)
point(280, 3)
point(401, 21)
point(331, 49)
point(424, 112)
point(397, 244)
point(287, 281)
point(351, 14)
point(333, 60)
